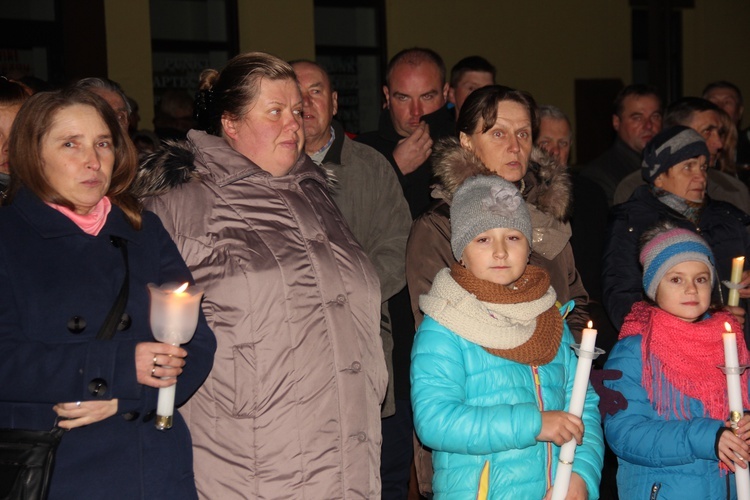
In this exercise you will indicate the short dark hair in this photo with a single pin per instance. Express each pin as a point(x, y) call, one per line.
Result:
point(681, 110)
point(471, 63)
point(481, 108)
point(636, 89)
point(33, 123)
point(722, 84)
point(414, 57)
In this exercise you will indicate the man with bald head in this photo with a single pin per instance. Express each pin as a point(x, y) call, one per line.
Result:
point(415, 94)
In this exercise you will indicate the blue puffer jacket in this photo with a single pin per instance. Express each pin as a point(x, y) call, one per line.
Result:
point(471, 407)
point(659, 458)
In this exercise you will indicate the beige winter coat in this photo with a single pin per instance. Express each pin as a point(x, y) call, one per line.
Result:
point(291, 408)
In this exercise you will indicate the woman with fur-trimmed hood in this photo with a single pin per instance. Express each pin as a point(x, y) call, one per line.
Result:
point(291, 408)
point(496, 127)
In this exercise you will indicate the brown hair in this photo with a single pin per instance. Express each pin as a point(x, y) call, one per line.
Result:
point(32, 125)
point(233, 91)
point(480, 108)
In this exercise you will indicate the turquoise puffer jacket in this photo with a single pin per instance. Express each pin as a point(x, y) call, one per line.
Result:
point(471, 407)
point(659, 458)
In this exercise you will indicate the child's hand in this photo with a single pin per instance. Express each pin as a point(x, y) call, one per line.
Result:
point(743, 427)
point(729, 446)
point(576, 491)
point(560, 427)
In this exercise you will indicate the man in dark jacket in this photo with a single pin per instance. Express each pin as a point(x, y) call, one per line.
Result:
point(415, 116)
point(636, 119)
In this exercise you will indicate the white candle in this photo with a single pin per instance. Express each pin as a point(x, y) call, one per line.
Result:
point(587, 353)
point(734, 393)
point(738, 265)
point(174, 317)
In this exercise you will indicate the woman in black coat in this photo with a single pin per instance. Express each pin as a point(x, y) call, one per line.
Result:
point(61, 271)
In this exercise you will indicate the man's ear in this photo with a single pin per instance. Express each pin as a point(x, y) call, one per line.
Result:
point(335, 99)
point(452, 95)
point(387, 97)
point(616, 123)
point(446, 89)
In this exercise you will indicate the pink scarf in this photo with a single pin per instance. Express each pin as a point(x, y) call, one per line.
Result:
point(92, 222)
point(680, 359)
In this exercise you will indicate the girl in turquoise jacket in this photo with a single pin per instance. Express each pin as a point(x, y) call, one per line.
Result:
point(673, 440)
point(492, 370)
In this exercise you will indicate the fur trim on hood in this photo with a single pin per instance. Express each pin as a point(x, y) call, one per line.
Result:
point(174, 164)
point(164, 169)
point(551, 192)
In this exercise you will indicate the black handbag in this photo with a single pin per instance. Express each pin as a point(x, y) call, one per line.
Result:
point(27, 457)
point(26, 462)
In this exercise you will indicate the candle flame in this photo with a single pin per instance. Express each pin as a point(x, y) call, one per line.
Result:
point(728, 327)
point(182, 288)
point(591, 324)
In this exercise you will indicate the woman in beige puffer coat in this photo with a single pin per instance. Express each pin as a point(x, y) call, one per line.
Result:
point(291, 408)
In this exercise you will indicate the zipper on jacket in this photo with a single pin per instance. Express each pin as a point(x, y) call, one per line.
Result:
point(655, 490)
point(540, 404)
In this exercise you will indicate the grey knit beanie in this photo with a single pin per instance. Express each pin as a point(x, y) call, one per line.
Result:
point(486, 202)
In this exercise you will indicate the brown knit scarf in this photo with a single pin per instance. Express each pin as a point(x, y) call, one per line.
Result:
point(544, 343)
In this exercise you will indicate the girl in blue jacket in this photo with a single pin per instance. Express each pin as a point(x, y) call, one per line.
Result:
point(492, 370)
point(672, 438)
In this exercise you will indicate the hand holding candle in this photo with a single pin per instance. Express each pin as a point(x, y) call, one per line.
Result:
point(174, 318)
point(733, 370)
point(587, 352)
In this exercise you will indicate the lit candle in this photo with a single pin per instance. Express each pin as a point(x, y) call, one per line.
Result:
point(174, 317)
point(734, 393)
point(738, 265)
point(587, 352)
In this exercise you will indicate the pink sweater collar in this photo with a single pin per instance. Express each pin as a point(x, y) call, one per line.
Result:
point(92, 222)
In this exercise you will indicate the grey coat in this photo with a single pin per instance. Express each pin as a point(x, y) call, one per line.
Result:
point(369, 196)
point(292, 406)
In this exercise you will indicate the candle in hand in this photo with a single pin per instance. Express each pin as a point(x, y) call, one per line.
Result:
point(174, 317)
point(738, 265)
point(586, 354)
point(734, 393)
